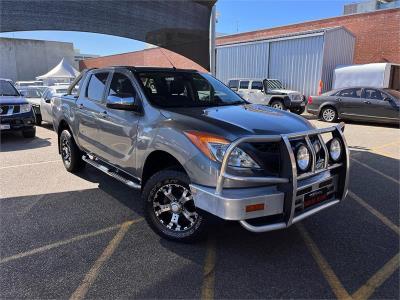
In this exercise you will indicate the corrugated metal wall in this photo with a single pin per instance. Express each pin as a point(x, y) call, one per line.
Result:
point(297, 63)
point(245, 61)
point(338, 50)
point(300, 62)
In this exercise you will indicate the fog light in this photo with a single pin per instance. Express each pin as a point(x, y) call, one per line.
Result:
point(303, 157)
point(335, 149)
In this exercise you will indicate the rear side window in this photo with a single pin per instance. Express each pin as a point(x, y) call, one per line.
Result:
point(233, 84)
point(351, 93)
point(96, 86)
point(244, 85)
point(256, 85)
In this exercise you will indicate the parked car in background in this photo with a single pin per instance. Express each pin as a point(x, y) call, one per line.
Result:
point(20, 84)
point(269, 92)
point(45, 101)
point(34, 95)
point(357, 103)
point(192, 145)
point(16, 113)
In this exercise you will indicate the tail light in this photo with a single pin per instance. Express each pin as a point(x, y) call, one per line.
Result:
point(310, 100)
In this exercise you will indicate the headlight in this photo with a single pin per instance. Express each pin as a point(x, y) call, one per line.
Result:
point(303, 157)
point(335, 149)
point(24, 108)
point(214, 147)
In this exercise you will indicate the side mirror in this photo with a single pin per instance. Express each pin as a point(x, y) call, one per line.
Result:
point(388, 99)
point(126, 103)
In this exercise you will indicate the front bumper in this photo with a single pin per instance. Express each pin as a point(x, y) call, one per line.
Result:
point(17, 121)
point(283, 199)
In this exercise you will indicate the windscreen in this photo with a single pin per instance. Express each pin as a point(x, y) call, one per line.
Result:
point(179, 89)
point(7, 89)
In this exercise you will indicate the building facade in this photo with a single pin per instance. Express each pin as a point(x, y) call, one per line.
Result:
point(24, 59)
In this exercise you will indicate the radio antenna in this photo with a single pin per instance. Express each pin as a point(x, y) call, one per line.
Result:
point(162, 51)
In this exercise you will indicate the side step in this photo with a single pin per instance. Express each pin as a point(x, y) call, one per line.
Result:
point(111, 173)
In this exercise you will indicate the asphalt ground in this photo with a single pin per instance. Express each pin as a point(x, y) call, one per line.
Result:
point(83, 236)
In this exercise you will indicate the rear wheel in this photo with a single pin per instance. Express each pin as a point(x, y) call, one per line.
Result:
point(278, 104)
point(329, 114)
point(169, 207)
point(70, 153)
point(29, 133)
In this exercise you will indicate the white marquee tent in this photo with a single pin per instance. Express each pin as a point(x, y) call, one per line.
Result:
point(63, 72)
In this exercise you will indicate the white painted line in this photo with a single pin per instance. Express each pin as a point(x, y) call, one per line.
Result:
point(375, 170)
point(58, 244)
point(31, 164)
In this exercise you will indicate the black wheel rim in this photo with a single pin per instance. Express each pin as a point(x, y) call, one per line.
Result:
point(66, 151)
point(174, 207)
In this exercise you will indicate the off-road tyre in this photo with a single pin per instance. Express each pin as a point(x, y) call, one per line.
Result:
point(278, 104)
point(29, 133)
point(70, 153)
point(152, 195)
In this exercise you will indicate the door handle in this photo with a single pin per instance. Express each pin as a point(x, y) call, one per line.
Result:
point(339, 99)
point(80, 106)
point(103, 114)
point(367, 102)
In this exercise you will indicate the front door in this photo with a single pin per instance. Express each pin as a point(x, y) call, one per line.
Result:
point(118, 128)
point(90, 104)
point(379, 107)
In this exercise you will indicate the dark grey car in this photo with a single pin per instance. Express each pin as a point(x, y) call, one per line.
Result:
point(357, 103)
point(194, 148)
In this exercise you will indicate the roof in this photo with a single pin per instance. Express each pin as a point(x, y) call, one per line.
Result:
point(146, 69)
point(62, 70)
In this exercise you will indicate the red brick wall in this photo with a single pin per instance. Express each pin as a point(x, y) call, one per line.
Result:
point(377, 40)
point(377, 34)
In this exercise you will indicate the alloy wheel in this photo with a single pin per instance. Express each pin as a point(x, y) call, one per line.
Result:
point(277, 105)
point(174, 207)
point(66, 151)
point(329, 114)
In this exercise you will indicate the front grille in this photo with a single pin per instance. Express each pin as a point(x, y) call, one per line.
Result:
point(6, 110)
point(267, 155)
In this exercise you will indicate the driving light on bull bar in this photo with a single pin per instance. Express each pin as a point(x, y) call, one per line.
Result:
point(214, 147)
point(303, 157)
point(335, 149)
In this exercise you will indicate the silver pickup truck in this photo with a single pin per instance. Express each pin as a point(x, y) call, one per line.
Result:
point(196, 149)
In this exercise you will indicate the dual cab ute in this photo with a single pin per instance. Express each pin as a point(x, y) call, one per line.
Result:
point(195, 148)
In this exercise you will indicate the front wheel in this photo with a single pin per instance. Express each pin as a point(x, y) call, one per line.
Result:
point(278, 104)
point(70, 153)
point(329, 114)
point(169, 207)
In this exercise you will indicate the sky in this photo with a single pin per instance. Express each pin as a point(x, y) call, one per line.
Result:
point(233, 16)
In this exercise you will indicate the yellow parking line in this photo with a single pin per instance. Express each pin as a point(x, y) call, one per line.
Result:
point(207, 290)
point(376, 171)
point(58, 244)
point(91, 276)
point(376, 213)
point(375, 281)
point(324, 266)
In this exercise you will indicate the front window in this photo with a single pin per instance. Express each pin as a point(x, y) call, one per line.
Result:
point(179, 89)
point(256, 85)
point(373, 94)
point(96, 86)
point(393, 93)
point(7, 89)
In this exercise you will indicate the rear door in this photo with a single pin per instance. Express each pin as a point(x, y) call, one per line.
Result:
point(378, 107)
point(90, 104)
point(349, 102)
point(118, 128)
